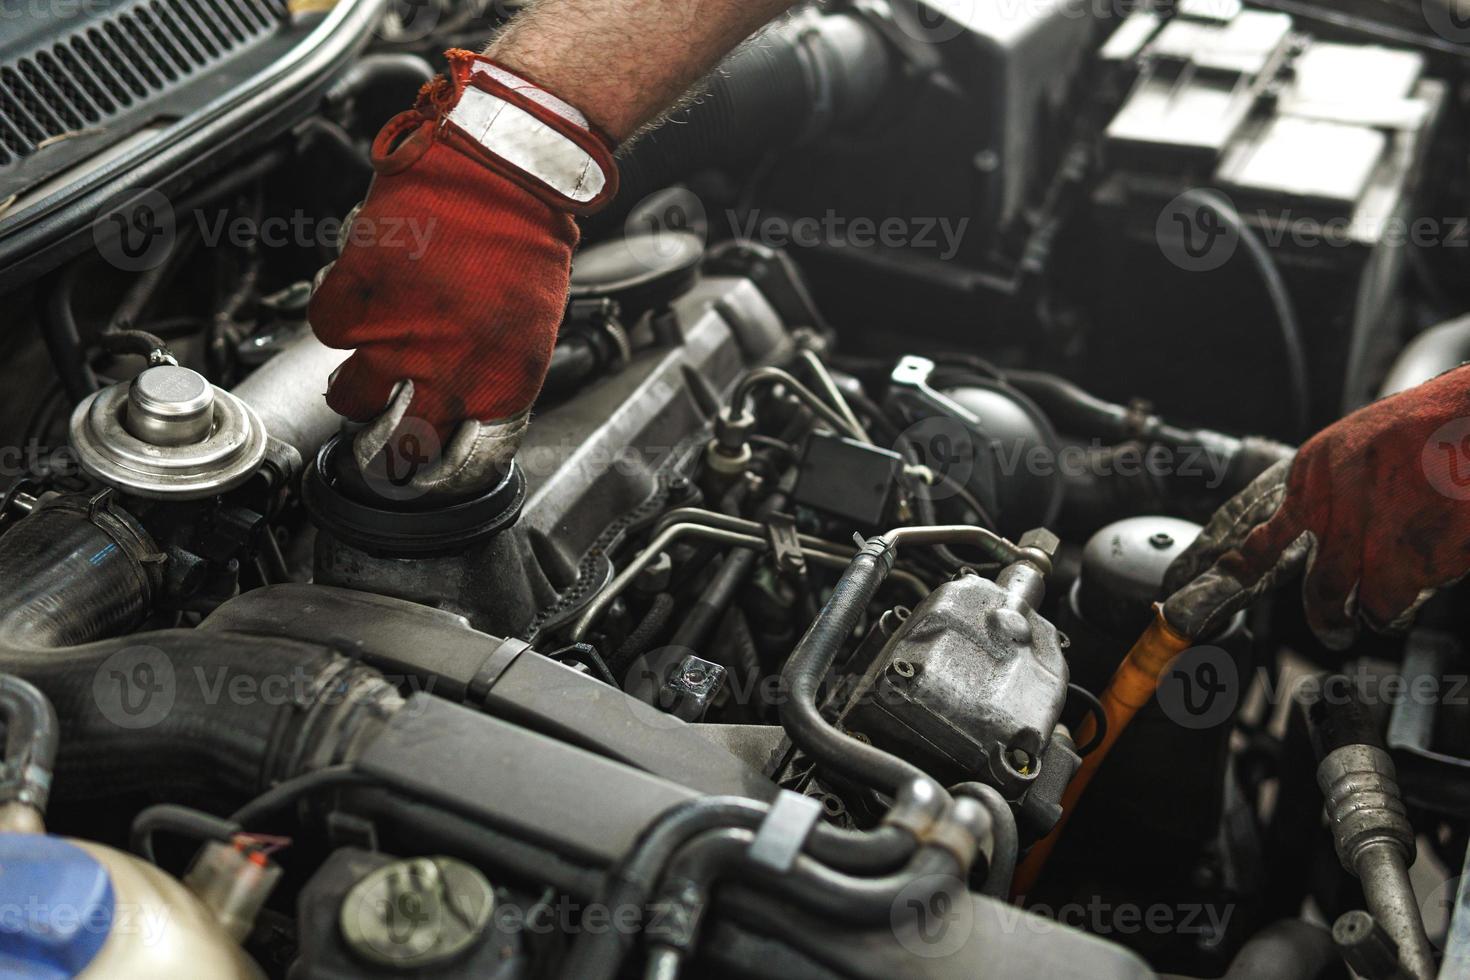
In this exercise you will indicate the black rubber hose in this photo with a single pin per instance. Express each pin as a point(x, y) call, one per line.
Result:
point(851, 901)
point(148, 712)
point(182, 820)
point(63, 338)
point(712, 603)
point(127, 341)
point(191, 710)
point(598, 954)
point(31, 740)
point(1003, 831)
point(1289, 949)
point(724, 586)
point(71, 572)
point(865, 901)
point(1293, 350)
point(786, 85)
point(1071, 408)
point(660, 611)
point(384, 78)
point(574, 359)
point(812, 660)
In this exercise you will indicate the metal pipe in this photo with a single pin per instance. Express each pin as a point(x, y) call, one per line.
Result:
point(830, 389)
point(1390, 896)
point(288, 392)
point(765, 376)
point(660, 542)
point(741, 525)
point(725, 529)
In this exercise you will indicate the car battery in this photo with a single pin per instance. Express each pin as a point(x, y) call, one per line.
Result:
point(1318, 146)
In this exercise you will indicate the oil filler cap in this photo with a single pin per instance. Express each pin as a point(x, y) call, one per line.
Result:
point(59, 906)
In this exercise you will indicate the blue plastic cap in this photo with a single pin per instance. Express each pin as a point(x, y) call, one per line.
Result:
point(56, 907)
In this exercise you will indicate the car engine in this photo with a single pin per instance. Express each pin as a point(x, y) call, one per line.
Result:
point(814, 630)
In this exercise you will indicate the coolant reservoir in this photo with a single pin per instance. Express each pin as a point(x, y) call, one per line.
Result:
point(75, 908)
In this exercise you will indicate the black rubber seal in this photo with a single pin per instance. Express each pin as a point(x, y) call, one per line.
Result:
point(386, 529)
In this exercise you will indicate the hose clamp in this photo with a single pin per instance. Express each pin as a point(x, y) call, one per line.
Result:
point(783, 832)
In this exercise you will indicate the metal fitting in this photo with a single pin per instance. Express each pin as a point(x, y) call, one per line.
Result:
point(1375, 841)
point(1363, 803)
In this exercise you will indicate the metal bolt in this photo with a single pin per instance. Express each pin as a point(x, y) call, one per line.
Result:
point(902, 668)
point(1162, 540)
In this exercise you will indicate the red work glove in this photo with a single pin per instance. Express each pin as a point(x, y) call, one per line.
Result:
point(1374, 508)
point(454, 271)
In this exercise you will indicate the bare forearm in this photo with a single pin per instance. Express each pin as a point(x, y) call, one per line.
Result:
point(622, 62)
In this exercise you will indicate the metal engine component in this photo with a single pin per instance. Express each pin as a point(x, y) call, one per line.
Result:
point(417, 914)
point(1375, 841)
point(371, 915)
point(741, 664)
point(586, 477)
point(168, 435)
point(972, 685)
point(1123, 567)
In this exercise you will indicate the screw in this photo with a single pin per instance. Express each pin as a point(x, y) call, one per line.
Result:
point(902, 668)
point(1162, 540)
point(1019, 760)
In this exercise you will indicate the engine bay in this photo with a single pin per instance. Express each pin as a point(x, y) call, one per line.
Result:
point(916, 347)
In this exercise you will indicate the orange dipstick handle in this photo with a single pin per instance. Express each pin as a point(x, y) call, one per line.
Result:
point(1134, 682)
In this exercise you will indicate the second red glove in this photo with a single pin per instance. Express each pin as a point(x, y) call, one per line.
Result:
point(1376, 508)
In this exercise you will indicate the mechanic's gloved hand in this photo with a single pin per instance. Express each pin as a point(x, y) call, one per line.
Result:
point(453, 276)
point(1376, 508)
